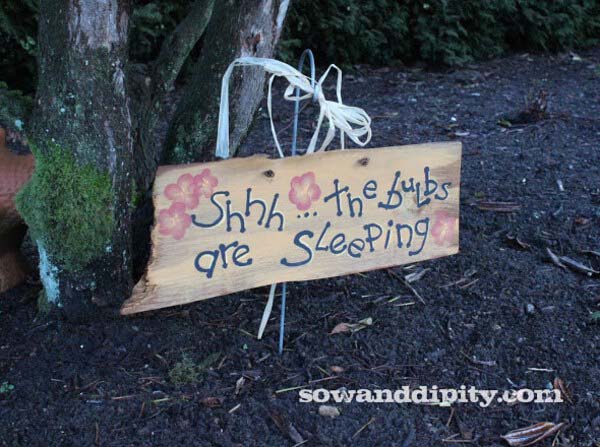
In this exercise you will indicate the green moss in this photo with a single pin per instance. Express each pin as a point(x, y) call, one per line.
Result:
point(184, 372)
point(68, 208)
point(187, 371)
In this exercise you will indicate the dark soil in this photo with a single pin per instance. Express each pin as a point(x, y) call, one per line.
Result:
point(517, 320)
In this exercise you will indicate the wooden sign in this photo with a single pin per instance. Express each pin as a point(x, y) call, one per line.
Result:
point(237, 224)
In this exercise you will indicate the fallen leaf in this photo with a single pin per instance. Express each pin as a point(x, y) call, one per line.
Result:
point(499, 207)
point(555, 259)
point(329, 410)
point(564, 389)
point(286, 427)
point(211, 402)
point(366, 321)
point(341, 328)
point(532, 434)
point(239, 385)
point(576, 265)
point(515, 240)
point(351, 327)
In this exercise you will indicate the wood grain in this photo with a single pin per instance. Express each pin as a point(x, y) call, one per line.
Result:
point(173, 277)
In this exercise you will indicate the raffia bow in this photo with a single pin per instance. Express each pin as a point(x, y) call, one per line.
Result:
point(351, 121)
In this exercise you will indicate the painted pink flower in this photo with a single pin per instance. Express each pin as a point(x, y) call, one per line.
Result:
point(185, 191)
point(304, 191)
point(444, 228)
point(174, 221)
point(206, 183)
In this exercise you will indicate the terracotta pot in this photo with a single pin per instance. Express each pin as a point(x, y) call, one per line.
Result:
point(15, 170)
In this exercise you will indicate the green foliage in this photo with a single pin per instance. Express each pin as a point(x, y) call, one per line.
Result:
point(68, 207)
point(18, 28)
point(6, 388)
point(438, 32)
point(447, 33)
point(550, 25)
point(378, 32)
point(373, 31)
point(151, 21)
point(150, 24)
point(187, 371)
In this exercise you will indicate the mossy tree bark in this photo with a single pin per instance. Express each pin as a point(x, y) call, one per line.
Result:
point(77, 204)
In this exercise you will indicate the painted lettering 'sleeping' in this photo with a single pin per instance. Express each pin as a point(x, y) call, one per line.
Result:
point(375, 237)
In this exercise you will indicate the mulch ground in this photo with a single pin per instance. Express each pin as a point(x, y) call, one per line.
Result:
point(499, 315)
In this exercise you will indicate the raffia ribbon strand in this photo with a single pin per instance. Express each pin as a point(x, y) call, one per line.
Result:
point(351, 121)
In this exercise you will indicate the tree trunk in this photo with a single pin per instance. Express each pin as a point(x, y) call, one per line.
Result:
point(79, 201)
point(77, 204)
point(238, 28)
point(174, 52)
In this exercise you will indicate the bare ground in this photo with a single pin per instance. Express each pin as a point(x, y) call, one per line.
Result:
point(499, 315)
